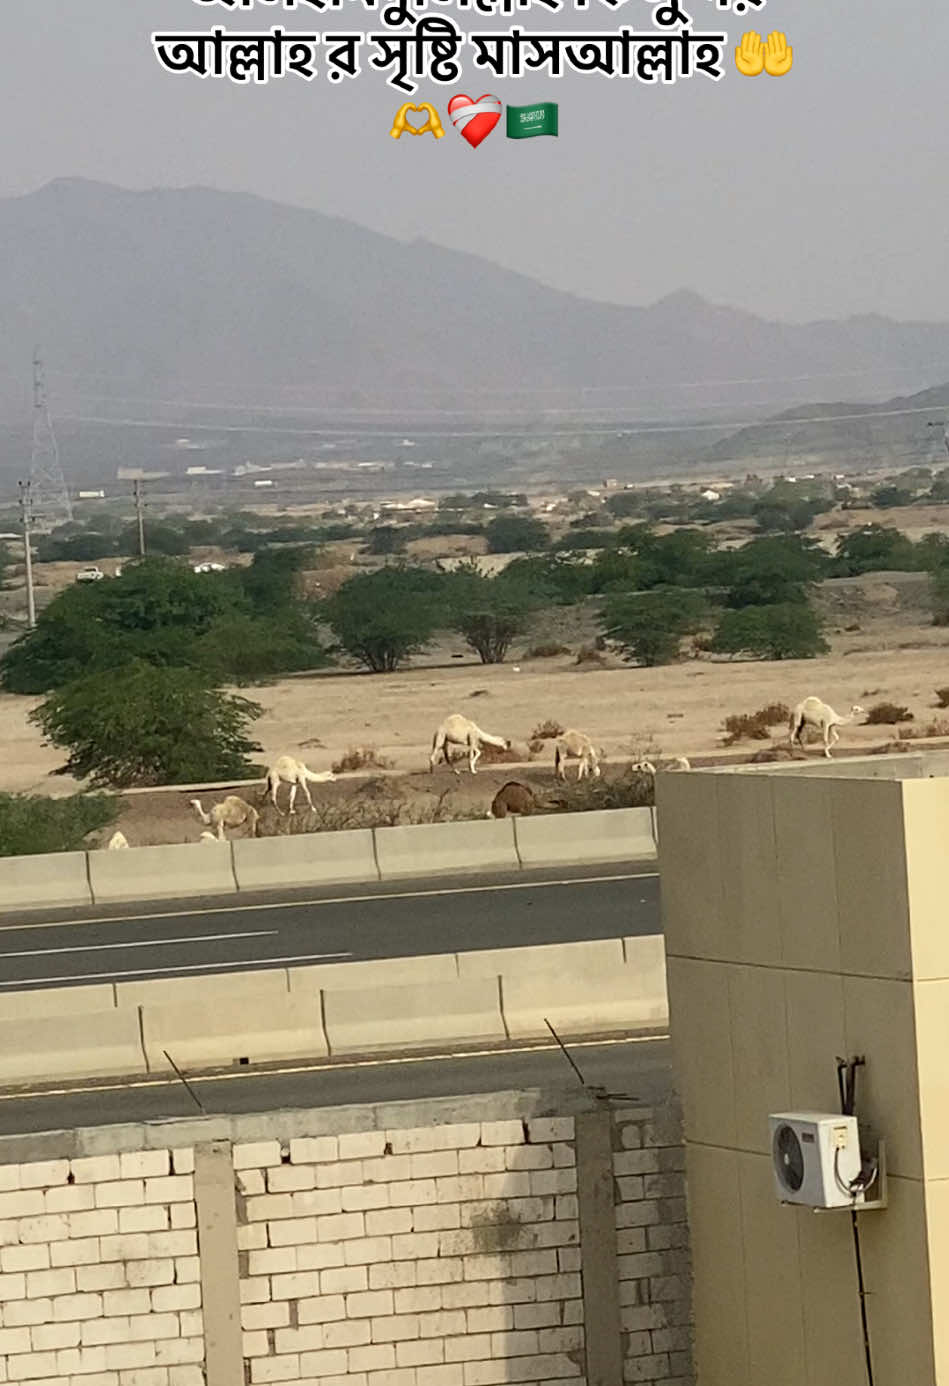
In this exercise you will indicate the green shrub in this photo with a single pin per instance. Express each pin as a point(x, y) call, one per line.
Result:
point(32, 823)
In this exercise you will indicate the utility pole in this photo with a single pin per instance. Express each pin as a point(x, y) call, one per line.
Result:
point(26, 511)
point(140, 514)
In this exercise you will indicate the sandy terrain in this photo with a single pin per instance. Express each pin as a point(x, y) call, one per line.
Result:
point(883, 648)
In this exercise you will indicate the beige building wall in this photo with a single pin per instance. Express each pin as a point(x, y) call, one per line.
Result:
point(805, 918)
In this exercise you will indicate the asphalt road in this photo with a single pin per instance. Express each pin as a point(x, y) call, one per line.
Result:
point(636, 1070)
point(338, 924)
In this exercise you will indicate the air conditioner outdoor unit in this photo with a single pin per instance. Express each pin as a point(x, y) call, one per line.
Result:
point(816, 1159)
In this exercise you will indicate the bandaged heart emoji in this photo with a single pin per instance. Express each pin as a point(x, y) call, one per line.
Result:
point(474, 120)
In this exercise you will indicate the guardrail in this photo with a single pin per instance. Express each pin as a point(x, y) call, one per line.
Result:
point(602, 987)
point(364, 854)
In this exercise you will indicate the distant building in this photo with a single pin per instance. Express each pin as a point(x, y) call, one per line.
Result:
point(267, 482)
point(90, 495)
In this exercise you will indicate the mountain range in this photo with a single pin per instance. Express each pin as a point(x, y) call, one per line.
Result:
point(198, 306)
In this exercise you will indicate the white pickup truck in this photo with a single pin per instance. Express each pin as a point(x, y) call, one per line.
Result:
point(90, 575)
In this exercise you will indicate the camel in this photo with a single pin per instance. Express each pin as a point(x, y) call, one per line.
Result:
point(231, 812)
point(117, 841)
point(811, 712)
point(286, 770)
point(516, 798)
point(646, 767)
point(512, 798)
point(461, 731)
point(576, 745)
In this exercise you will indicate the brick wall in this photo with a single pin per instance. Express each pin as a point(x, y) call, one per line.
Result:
point(99, 1273)
point(420, 1245)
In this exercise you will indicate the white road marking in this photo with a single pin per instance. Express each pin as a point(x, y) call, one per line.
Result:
point(334, 900)
point(209, 967)
point(139, 943)
point(327, 1067)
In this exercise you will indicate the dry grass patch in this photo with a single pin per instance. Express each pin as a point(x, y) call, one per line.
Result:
point(547, 731)
point(939, 726)
point(546, 649)
point(887, 714)
point(755, 726)
point(361, 758)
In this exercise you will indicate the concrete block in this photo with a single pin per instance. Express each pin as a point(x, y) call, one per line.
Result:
point(388, 972)
point(48, 1048)
point(219, 986)
point(49, 878)
point(600, 835)
point(55, 1001)
point(429, 848)
point(223, 1032)
point(176, 870)
point(305, 859)
point(591, 958)
point(412, 1017)
point(631, 997)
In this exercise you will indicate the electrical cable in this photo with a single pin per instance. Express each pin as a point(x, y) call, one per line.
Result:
point(847, 1083)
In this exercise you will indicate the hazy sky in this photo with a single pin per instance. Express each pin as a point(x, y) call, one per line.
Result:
point(818, 194)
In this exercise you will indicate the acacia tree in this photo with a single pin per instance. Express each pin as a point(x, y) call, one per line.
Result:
point(385, 617)
point(145, 725)
point(649, 626)
point(488, 612)
point(787, 630)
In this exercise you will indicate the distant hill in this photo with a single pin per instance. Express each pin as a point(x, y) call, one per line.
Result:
point(226, 299)
point(896, 433)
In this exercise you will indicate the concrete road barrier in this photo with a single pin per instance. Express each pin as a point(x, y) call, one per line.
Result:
point(170, 871)
point(53, 1001)
point(48, 879)
point(228, 1031)
point(276, 863)
point(632, 997)
point(429, 848)
point(374, 972)
point(412, 1017)
point(593, 956)
point(210, 989)
point(601, 835)
point(49, 1048)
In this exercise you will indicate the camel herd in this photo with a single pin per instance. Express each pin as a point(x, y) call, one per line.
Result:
point(458, 737)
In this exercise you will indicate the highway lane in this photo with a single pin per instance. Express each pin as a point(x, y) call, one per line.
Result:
point(638, 1070)
point(337, 924)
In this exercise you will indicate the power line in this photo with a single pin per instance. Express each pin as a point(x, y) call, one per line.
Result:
point(867, 416)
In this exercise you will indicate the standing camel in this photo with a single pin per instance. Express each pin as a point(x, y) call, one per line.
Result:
point(811, 712)
point(231, 812)
point(461, 731)
point(576, 745)
point(286, 770)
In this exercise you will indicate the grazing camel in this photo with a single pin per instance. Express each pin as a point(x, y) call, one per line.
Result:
point(286, 770)
point(576, 745)
point(811, 712)
point(512, 798)
point(461, 731)
point(117, 841)
point(231, 812)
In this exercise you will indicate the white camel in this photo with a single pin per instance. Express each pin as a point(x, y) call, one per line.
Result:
point(576, 745)
point(287, 770)
point(812, 712)
point(646, 767)
point(117, 841)
point(231, 812)
point(461, 731)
